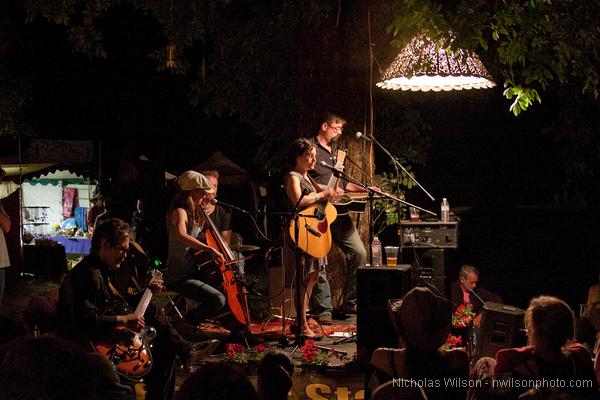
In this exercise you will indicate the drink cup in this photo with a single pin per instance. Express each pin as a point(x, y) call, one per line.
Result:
point(391, 255)
point(414, 214)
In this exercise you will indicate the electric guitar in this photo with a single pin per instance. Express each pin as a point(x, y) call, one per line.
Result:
point(129, 351)
point(314, 235)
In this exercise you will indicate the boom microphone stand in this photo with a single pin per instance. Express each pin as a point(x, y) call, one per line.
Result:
point(372, 191)
point(396, 163)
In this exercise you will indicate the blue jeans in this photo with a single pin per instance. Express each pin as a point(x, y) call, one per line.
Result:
point(346, 237)
point(210, 299)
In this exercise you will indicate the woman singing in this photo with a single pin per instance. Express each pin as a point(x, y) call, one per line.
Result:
point(303, 156)
point(185, 221)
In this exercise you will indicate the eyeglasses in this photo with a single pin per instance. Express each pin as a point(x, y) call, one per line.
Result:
point(336, 129)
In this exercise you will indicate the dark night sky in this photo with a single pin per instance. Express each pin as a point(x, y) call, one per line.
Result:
point(481, 156)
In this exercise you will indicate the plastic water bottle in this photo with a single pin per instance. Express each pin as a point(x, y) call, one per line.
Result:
point(376, 252)
point(445, 211)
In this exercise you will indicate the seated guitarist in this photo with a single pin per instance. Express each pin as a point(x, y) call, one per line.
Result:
point(303, 191)
point(344, 233)
point(90, 308)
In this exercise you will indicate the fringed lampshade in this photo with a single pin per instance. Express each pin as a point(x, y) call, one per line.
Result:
point(420, 66)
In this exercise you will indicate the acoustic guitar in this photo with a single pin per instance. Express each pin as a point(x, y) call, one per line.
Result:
point(314, 235)
point(129, 351)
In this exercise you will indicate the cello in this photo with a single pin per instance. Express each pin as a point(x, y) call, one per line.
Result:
point(233, 288)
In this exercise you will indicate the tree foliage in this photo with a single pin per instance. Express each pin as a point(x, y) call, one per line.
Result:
point(274, 66)
point(15, 87)
point(526, 43)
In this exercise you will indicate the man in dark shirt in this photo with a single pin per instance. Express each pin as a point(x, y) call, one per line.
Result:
point(344, 233)
point(90, 308)
point(466, 291)
point(219, 215)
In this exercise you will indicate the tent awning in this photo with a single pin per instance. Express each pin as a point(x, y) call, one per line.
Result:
point(25, 169)
point(230, 172)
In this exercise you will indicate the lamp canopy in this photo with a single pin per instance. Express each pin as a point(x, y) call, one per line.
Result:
point(421, 65)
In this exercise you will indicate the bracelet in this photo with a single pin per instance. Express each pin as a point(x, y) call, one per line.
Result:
point(315, 198)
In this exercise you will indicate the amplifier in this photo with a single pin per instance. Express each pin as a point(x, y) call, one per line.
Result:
point(433, 235)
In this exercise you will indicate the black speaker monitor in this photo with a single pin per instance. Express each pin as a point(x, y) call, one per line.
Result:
point(500, 328)
point(375, 286)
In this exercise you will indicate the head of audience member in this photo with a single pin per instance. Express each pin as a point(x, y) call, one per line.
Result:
point(422, 319)
point(275, 376)
point(550, 324)
point(111, 242)
point(300, 149)
point(332, 126)
point(97, 201)
point(2, 174)
point(217, 382)
point(49, 368)
point(468, 277)
point(40, 314)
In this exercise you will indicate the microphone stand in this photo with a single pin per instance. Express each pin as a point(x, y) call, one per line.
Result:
point(372, 191)
point(232, 207)
point(477, 296)
point(398, 164)
point(299, 338)
point(474, 331)
point(294, 216)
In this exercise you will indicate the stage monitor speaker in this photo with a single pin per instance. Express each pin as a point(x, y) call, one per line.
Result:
point(375, 286)
point(500, 328)
point(429, 268)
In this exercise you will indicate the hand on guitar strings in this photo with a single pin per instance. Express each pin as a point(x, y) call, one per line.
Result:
point(329, 193)
point(132, 321)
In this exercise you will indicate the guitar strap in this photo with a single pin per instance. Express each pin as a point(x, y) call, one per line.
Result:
point(115, 291)
point(314, 183)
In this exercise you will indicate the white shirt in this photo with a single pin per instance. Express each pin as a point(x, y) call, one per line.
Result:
point(4, 260)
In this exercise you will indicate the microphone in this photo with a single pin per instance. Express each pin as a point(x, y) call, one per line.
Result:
point(331, 167)
point(215, 202)
point(360, 135)
point(477, 296)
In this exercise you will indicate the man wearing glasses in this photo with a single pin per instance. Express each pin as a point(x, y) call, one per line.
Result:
point(344, 233)
point(90, 308)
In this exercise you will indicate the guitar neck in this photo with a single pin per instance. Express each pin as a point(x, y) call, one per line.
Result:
point(339, 164)
point(144, 302)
